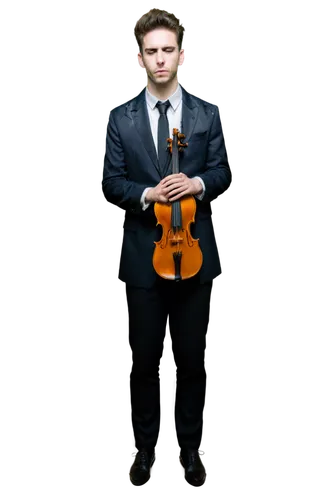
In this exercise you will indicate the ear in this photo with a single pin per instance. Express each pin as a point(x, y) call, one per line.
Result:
point(181, 57)
point(140, 59)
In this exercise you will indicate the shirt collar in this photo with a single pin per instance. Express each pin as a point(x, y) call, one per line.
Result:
point(174, 99)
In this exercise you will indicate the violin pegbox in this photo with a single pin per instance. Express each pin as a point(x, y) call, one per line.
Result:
point(177, 141)
point(181, 145)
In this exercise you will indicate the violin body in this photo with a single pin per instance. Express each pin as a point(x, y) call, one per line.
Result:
point(177, 246)
point(177, 256)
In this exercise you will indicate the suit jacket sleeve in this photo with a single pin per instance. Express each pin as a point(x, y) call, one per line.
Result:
point(216, 174)
point(117, 188)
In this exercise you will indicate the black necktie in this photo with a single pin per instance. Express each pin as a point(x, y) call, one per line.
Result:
point(163, 134)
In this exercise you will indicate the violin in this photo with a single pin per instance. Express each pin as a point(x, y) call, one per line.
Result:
point(177, 256)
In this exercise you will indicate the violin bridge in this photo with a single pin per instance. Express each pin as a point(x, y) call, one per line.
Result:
point(175, 241)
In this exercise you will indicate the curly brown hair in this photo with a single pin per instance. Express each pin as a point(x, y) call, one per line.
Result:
point(157, 18)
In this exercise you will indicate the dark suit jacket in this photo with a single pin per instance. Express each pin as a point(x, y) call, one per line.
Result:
point(131, 165)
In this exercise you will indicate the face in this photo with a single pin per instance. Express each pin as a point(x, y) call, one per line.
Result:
point(161, 56)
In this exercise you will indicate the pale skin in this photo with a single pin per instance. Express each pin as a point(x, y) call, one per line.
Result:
point(161, 57)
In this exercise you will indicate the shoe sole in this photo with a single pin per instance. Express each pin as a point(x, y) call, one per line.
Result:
point(147, 484)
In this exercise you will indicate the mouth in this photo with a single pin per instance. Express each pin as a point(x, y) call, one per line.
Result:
point(161, 71)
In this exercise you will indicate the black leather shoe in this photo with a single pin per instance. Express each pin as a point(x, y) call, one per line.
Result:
point(140, 470)
point(195, 473)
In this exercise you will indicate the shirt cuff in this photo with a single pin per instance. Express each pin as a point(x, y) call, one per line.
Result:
point(202, 194)
point(143, 203)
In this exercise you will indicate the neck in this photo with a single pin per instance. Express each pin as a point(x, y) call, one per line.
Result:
point(162, 91)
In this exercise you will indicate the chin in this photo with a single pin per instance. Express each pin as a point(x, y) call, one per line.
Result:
point(161, 79)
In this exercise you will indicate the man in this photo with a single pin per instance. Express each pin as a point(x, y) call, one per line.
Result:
point(136, 175)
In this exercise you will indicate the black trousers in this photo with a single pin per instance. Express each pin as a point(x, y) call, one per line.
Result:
point(187, 305)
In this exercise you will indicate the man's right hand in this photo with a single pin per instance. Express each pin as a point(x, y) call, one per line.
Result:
point(156, 194)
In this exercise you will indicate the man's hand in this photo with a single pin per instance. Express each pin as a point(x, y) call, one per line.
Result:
point(173, 187)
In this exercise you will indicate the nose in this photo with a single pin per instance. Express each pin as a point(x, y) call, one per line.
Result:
point(160, 57)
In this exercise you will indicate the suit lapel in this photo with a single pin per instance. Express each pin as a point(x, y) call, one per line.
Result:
point(139, 113)
point(189, 114)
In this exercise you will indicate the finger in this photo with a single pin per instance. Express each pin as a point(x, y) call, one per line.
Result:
point(173, 183)
point(170, 180)
point(177, 197)
point(168, 177)
point(168, 189)
point(165, 189)
point(176, 192)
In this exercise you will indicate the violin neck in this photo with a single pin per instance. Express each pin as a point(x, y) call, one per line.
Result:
point(175, 161)
point(176, 213)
